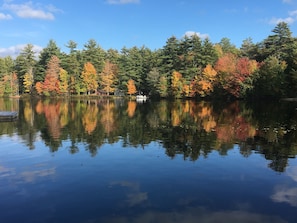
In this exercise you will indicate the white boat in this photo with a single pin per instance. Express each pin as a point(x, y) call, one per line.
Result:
point(141, 98)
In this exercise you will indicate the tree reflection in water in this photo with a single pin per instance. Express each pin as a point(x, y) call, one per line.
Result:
point(183, 127)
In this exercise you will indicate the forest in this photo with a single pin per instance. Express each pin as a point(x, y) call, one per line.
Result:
point(189, 67)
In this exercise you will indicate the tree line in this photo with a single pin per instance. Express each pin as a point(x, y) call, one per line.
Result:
point(189, 67)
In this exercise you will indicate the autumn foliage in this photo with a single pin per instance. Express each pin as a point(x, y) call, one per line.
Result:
point(177, 84)
point(183, 68)
point(108, 77)
point(89, 77)
point(203, 84)
point(51, 83)
point(131, 108)
point(131, 88)
point(89, 118)
point(234, 73)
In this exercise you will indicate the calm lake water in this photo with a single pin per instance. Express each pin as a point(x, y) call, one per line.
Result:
point(86, 161)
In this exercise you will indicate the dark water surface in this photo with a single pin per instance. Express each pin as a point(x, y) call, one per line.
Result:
point(103, 161)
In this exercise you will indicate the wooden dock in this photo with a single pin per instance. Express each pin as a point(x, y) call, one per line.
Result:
point(8, 116)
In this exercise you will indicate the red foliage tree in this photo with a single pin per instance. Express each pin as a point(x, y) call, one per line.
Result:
point(233, 73)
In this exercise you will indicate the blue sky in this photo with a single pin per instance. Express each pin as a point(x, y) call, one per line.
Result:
point(119, 23)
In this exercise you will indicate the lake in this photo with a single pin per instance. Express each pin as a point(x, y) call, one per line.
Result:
point(86, 161)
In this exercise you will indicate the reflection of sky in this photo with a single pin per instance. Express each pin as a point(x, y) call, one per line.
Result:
point(30, 175)
point(134, 196)
point(292, 172)
point(141, 185)
point(23, 172)
point(194, 215)
point(184, 214)
point(285, 193)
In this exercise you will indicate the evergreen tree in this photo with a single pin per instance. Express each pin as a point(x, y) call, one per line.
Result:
point(190, 54)
point(25, 66)
point(8, 78)
point(270, 81)
point(170, 57)
point(227, 46)
point(208, 54)
point(72, 66)
point(93, 54)
point(248, 49)
point(131, 66)
point(283, 46)
point(152, 80)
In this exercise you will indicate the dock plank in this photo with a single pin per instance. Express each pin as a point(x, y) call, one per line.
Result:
point(8, 115)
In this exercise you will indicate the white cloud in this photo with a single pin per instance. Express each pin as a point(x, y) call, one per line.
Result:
point(293, 13)
point(284, 194)
point(122, 2)
point(290, 19)
point(5, 16)
point(28, 10)
point(287, 1)
point(14, 51)
point(192, 33)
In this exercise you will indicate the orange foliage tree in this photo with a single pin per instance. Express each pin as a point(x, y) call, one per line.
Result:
point(108, 77)
point(51, 81)
point(51, 84)
point(131, 87)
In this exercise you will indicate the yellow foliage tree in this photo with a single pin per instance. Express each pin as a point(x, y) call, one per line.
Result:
point(63, 84)
point(28, 81)
point(177, 84)
point(89, 77)
point(203, 84)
